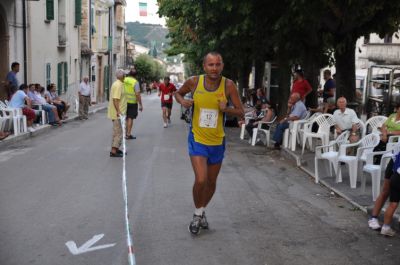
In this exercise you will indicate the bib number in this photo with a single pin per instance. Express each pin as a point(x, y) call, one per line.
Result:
point(208, 118)
point(166, 97)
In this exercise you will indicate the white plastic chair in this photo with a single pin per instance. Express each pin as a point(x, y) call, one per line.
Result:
point(376, 170)
point(365, 146)
point(43, 114)
point(19, 123)
point(264, 131)
point(330, 152)
point(325, 122)
point(247, 117)
point(296, 127)
point(373, 124)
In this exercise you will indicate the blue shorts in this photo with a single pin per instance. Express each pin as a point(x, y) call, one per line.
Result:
point(213, 153)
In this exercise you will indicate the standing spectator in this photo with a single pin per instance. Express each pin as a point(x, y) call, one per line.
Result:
point(11, 79)
point(18, 100)
point(346, 119)
point(116, 108)
point(297, 111)
point(166, 92)
point(301, 85)
point(37, 100)
point(84, 98)
point(154, 86)
point(132, 92)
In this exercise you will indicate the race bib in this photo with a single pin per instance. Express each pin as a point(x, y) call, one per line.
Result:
point(166, 97)
point(208, 118)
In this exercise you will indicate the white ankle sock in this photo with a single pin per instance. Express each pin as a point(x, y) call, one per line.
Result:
point(199, 211)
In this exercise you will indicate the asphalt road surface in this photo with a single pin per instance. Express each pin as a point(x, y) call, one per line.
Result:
point(62, 186)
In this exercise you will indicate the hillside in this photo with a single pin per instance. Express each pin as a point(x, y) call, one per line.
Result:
point(144, 34)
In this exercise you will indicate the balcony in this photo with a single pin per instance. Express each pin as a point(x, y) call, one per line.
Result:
point(387, 53)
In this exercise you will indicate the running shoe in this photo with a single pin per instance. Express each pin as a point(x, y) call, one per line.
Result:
point(373, 223)
point(203, 222)
point(165, 125)
point(194, 226)
point(387, 231)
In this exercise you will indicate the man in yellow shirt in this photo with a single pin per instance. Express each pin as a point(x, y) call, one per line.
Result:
point(206, 141)
point(116, 107)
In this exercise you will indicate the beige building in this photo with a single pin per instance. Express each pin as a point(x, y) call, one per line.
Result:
point(49, 53)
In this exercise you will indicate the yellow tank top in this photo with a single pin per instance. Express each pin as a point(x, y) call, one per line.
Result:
point(130, 83)
point(208, 120)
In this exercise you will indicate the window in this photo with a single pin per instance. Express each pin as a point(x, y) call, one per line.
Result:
point(48, 74)
point(78, 12)
point(49, 9)
point(62, 77)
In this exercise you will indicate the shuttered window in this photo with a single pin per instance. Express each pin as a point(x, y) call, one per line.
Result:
point(78, 12)
point(65, 76)
point(50, 9)
point(59, 78)
point(48, 74)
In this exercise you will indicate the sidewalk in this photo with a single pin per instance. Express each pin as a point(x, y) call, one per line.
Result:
point(358, 198)
point(40, 129)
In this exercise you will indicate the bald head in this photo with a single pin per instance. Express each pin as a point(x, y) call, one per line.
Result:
point(294, 98)
point(342, 103)
point(211, 54)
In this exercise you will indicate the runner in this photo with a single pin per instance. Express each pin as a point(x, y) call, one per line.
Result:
point(132, 92)
point(206, 141)
point(166, 92)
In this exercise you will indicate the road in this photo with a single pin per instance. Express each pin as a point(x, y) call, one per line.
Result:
point(63, 186)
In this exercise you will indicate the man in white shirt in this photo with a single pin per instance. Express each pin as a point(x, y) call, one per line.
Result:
point(84, 98)
point(346, 119)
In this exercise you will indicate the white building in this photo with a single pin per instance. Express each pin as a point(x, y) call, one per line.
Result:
point(54, 46)
point(11, 40)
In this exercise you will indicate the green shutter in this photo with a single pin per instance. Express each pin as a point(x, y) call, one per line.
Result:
point(78, 12)
point(65, 76)
point(50, 9)
point(107, 81)
point(59, 78)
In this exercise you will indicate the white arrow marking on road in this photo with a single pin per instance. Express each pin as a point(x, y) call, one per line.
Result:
point(87, 247)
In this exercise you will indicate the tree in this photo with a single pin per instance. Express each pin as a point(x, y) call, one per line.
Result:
point(148, 69)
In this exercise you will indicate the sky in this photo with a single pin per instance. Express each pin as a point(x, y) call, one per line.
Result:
point(132, 12)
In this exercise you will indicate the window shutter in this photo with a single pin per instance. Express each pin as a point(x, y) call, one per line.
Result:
point(78, 12)
point(59, 78)
point(106, 81)
point(65, 76)
point(50, 9)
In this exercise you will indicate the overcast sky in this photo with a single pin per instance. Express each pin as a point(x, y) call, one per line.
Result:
point(132, 12)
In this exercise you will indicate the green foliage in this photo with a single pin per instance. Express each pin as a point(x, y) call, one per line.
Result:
point(310, 33)
point(149, 69)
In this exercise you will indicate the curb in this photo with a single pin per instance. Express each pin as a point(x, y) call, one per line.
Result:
point(364, 209)
point(44, 128)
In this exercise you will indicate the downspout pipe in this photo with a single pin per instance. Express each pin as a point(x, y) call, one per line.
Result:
point(24, 40)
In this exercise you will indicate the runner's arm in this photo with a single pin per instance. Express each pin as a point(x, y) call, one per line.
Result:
point(233, 95)
point(187, 87)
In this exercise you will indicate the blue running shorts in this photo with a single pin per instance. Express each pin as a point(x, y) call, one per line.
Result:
point(213, 153)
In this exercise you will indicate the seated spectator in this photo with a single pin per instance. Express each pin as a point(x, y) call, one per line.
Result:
point(297, 111)
point(54, 99)
point(346, 120)
point(389, 128)
point(267, 117)
point(18, 100)
point(38, 100)
point(4, 135)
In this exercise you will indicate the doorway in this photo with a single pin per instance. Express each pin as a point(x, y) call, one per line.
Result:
point(4, 53)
